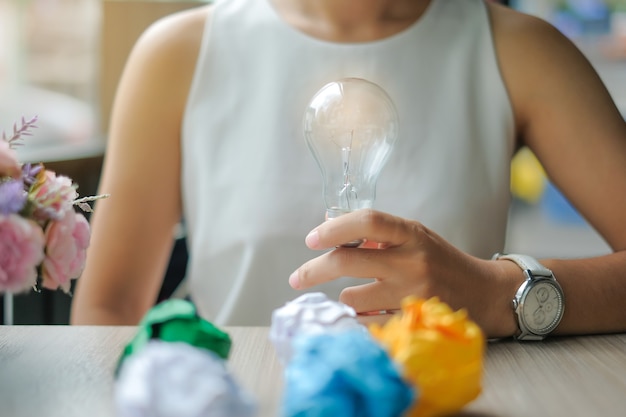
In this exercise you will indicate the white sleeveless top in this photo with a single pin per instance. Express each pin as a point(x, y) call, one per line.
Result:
point(251, 189)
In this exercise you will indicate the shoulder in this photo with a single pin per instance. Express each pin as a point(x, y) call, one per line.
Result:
point(538, 63)
point(530, 43)
point(529, 34)
point(167, 50)
point(175, 35)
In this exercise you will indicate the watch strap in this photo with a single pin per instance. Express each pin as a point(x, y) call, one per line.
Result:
point(526, 263)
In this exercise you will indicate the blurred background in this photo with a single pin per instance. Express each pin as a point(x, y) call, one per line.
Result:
point(61, 60)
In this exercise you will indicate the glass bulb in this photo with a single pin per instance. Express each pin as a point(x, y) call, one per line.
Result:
point(350, 126)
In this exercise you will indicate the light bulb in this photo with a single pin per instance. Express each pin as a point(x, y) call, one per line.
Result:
point(350, 126)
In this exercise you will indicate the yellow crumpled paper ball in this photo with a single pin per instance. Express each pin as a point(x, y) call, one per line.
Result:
point(528, 178)
point(440, 352)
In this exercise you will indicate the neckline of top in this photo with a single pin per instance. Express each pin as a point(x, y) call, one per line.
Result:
point(419, 25)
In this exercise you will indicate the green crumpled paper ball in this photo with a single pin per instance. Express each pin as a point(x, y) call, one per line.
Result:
point(177, 320)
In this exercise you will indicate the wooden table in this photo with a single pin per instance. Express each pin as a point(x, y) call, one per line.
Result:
point(68, 371)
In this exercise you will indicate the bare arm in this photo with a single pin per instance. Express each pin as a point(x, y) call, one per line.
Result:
point(133, 229)
point(566, 116)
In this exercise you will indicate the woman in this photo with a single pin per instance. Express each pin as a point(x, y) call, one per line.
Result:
point(207, 126)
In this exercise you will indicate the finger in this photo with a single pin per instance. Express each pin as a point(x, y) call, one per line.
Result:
point(352, 262)
point(361, 224)
point(8, 162)
point(374, 298)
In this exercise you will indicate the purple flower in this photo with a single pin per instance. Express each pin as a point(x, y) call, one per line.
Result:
point(29, 173)
point(12, 197)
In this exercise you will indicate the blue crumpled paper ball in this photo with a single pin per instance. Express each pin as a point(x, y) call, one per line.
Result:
point(344, 374)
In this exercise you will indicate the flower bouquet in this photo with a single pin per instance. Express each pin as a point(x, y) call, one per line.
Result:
point(43, 239)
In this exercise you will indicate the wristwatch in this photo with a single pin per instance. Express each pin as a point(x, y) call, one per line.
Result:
point(539, 302)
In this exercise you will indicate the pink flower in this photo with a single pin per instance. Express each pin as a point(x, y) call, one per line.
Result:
point(53, 196)
point(67, 240)
point(21, 251)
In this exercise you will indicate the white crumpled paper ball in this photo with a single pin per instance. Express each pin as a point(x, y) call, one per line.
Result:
point(173, 379)
point(311, 313)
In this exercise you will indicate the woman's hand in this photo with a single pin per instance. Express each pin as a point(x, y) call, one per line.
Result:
point(8, 161)
point(406, 258)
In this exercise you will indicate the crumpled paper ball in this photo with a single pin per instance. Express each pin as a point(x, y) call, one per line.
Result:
point(177, 320)
point(345, 374)
point(310, 313)
point(172, 379)
point(440, 352)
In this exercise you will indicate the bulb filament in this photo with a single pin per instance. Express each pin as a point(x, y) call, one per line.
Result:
point(348, 190)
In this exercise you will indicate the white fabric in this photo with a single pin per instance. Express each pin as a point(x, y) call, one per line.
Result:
point(252, 191)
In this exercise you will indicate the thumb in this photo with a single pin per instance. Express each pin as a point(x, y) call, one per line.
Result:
point(370, 299)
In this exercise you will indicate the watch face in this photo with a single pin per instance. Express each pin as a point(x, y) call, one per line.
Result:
point(543, 305)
